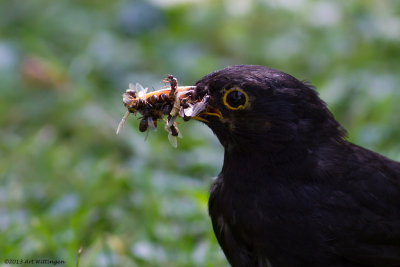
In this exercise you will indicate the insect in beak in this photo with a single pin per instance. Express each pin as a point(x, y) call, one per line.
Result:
point(153, 106)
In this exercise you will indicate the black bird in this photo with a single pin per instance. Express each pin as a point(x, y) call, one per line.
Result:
point(292, 190)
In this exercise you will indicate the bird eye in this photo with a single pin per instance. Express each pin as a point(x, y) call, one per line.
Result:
point(235, 98)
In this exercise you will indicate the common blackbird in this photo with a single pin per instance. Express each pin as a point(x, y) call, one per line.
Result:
point(292, 190)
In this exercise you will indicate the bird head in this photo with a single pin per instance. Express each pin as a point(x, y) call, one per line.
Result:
point(255, 107)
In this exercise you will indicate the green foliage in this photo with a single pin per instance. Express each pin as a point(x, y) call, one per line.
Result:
point(67, 181)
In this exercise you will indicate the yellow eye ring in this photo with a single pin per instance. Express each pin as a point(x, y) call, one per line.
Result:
point(235, 98)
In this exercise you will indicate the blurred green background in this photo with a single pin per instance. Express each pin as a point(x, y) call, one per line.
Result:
point(68, 181)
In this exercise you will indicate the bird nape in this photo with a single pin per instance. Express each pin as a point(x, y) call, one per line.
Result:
point(292, 190)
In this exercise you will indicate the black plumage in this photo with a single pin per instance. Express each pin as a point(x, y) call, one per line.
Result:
point(292, 190)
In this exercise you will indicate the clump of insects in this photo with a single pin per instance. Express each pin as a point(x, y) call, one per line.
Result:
point(167, 102)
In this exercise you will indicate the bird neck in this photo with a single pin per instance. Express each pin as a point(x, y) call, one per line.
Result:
point(257, 163)
point(238, 155)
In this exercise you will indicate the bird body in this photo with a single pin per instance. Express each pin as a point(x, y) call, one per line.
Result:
point(292, 190)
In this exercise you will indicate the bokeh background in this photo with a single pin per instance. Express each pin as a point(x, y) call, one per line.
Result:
point(68, 181)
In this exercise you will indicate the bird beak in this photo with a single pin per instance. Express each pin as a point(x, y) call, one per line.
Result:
point(199, 108)
point(209, 111)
